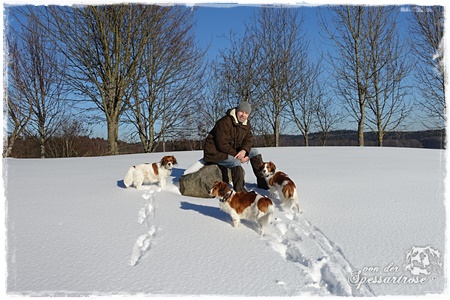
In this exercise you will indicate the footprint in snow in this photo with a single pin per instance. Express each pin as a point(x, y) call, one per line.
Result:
point(281, 282)
point(302, 243)
point(142, 245)
point(149, 190)
point(146, 213)
point(148, 210)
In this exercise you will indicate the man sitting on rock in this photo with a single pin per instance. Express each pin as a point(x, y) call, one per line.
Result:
point(229, 144)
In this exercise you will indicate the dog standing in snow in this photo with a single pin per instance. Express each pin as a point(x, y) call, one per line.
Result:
point(243, 205)
point(280, 182)
point(150, 173)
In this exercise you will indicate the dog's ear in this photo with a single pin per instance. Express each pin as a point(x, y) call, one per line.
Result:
point(174, 160)
point(222, 190)
point(272, 166)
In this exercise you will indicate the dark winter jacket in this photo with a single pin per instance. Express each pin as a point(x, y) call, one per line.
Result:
point(228, 137)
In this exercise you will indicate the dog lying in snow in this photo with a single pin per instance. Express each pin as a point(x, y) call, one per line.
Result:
point(280, 182)
point(243, 205)
point(150, 173)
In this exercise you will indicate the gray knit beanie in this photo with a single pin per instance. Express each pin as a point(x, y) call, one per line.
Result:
point(245, 107)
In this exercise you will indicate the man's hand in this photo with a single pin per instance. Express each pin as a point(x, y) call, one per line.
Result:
point(241, 156)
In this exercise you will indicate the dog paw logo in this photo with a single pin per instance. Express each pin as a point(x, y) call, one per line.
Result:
point(423, 261)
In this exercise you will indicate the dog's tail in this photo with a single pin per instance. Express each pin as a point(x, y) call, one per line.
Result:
point(128, 180)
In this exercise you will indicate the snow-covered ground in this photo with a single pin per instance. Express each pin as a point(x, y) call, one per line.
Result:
point(74, 229)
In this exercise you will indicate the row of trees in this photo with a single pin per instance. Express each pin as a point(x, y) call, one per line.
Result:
point(68, 144)
point(140, 66)
point(123, 63)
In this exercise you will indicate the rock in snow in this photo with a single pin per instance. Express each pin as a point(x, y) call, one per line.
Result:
point(197, 183)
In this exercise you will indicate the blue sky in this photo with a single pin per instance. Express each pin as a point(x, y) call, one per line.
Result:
point(214, 22)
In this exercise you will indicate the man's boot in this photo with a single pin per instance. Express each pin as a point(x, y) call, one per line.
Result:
point(256, 162)
point(237, 174)
point(224, 171)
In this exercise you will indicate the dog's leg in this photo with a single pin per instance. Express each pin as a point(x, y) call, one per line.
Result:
point(272, 191)
point(295, 202)
point(295, 198)
point(261, 230)
point(291, 205)
point(261, 225)
point(162, 182)
point(138, 179)
point(265, 220)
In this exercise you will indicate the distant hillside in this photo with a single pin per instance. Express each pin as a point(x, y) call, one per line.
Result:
point(431, 139)
point(86, 146)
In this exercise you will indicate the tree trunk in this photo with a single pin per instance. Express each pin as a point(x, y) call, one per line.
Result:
point(324, 138)
point(11, 141)
point(113, 136)
point(42, 147)
point(361, 130)
point(277, 132)
point(380, 140)
point(42, 137)
point(380, 134)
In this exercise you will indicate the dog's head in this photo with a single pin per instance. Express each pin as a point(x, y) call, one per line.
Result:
point(267, 168)
point(220, 190)
point(168, 162)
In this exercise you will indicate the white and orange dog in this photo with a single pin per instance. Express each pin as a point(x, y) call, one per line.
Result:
point(243, 205)
point(280, 182)
point(150, 173)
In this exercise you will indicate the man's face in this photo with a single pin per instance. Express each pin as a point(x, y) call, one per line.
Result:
point(242, 116)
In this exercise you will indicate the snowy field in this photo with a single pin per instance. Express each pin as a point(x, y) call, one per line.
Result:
point(373, 223)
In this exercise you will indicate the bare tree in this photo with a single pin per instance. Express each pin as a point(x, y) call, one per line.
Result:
point(327, 115)
point(168, 79)
point(36, 82)
point(239, 72)
point(67, 141)
point(303, 93)
point(19, 108)
point(388, 69)
point(427, 31)
point(268, 67)
point(103, 45)
point(240, 67)
point(350, 63)
point(215, 99)
point(281, 55)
